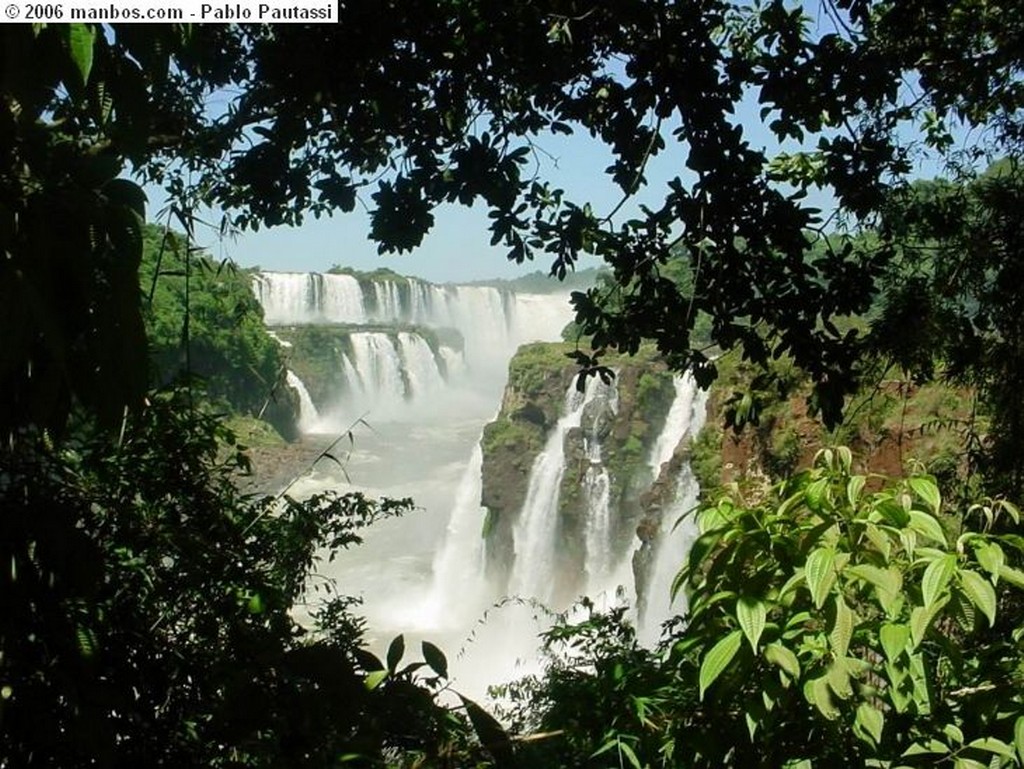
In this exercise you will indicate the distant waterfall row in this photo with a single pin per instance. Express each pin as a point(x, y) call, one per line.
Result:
point(395, 341)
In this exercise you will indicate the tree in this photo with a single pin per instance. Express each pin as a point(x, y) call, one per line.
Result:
point(446, 102)
point(204, 324)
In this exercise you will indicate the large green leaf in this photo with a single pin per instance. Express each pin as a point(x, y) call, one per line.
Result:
point(751, 614)
point(81, 38)
point(981, 593)
point(936, 578)
point(927, 490)
point(871, 720)
point(783, 657)
point(820, 573)
point(718, 659)
point(842, 627)
point(888, 582)
point(490, 733)
point(926, 525)
point(396, 650)
point(435, 658)
point(894, 639)
point(992, 745)
point(991, 557)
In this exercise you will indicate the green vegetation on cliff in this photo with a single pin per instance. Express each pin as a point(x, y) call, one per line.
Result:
point(203, 319)
point(316, 352)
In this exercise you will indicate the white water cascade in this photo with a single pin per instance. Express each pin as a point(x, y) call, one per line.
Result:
point(308, 416)
point(601, 558)
point(678, 529)
point(534, 573)
point(379, 374)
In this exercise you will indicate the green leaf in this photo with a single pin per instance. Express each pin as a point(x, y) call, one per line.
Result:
point(435, 658)
point(81, 38)
point(992, 745)
point(718, 659)
point(374, 678)
point(962, 762)
point(921, 619)
point(820, 573)
point(490, 733)
point(854, 487)
point(367, 660)
point(1014, 576)
point(936, 577)
point(395, 652)
point(815, 493)
point(871, 721)
point(1018, 737)
point(842, 628)
point(894, 639)
point(783, 657)
point(990, 556)
point(751, 614)
point(926, 525)
point(928, 491)
point(930, 746)
point(629, 754)
point(981, 593)
point(839, 678)
point(888, 582)
point(817, 692)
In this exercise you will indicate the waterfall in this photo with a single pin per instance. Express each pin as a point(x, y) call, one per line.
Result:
point(677, 533)
point(599, 531)
point(458, 567)
point(678, 422)
point(341, 300)
point(420, 365)
point(534, 573)
point(308, 416)
point(493, 322)
point(378, 367)
point(309, 297)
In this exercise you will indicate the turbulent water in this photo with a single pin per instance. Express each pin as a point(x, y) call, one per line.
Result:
point(424, 574)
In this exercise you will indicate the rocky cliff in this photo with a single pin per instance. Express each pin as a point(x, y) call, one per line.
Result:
point(606, 455)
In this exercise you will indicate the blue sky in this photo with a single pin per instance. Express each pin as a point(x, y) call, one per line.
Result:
point(457, 249)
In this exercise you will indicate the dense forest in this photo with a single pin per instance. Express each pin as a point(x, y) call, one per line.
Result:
point(837, 616)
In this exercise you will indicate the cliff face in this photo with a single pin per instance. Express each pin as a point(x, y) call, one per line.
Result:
point(605, 455)
point(890, 425)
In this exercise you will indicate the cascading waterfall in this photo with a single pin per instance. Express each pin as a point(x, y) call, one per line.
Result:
point(378, 366)
point(309, 297)
point(380, 373)
point(534, 570)
point(427, 575)
point(308, 416)
point(458, 567)
point(685, 419)
point(420, 365)
point(598, 535)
